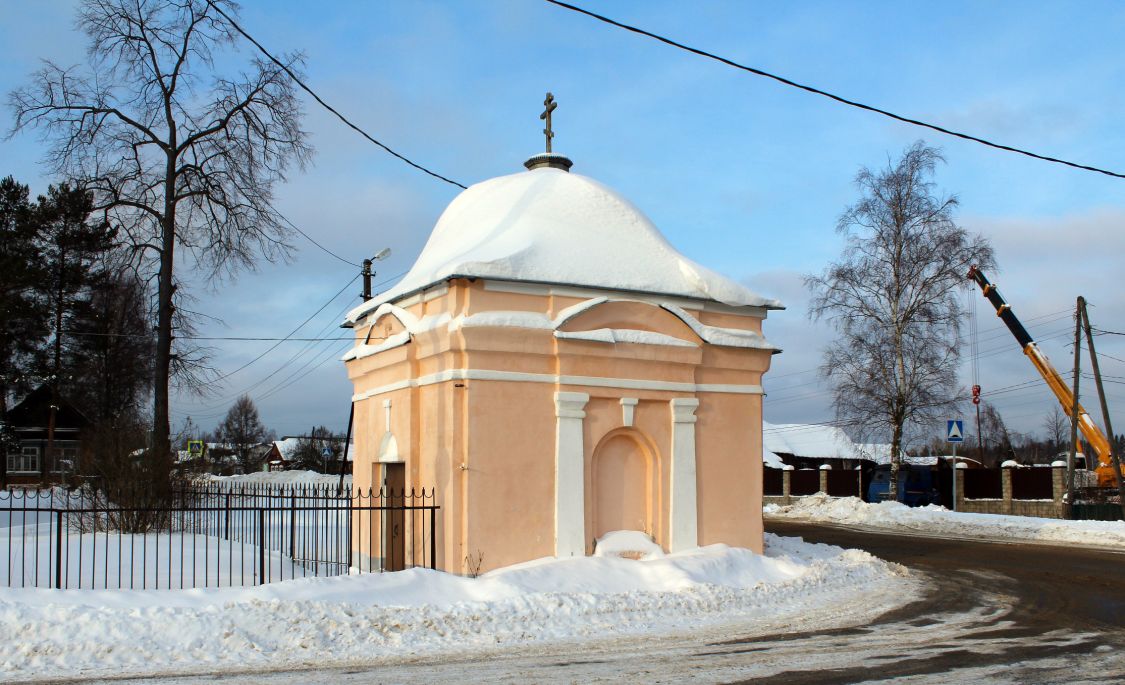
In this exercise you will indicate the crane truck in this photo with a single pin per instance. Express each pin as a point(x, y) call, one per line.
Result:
point(1090, 431)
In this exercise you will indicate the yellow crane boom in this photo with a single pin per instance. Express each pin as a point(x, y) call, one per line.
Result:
point(1090, 431)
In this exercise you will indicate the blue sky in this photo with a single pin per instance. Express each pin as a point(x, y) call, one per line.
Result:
point(740, 173)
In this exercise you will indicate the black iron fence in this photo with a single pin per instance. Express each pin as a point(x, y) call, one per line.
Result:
point(209, 535)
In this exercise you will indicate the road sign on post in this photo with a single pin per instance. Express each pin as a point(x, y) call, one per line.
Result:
point(954, 433)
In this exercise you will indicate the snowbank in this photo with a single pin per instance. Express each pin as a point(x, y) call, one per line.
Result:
point(937, 520)
point(283, 478)
point(384, 617)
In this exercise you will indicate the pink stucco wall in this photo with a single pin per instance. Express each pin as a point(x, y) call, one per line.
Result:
point(487, 444)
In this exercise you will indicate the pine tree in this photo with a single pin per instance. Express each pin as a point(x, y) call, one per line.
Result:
point(242, 430)
point(22, 319)
point(70, 247)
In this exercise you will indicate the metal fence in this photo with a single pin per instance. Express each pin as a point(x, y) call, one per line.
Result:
point(773, 482)
point(209, 535)
point(1032, 483)
point(804, 482)
point(983, 484)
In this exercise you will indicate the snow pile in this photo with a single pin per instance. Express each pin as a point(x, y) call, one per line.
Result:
point(937, 520)
point(552, 226)
point(395, 616)
point(627, 544)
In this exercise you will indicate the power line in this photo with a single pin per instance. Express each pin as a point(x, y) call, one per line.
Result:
point(324, 104)
point(197, 337)
point(307, 348)
point(275, 345)
point(831, 96)
point(310, 239)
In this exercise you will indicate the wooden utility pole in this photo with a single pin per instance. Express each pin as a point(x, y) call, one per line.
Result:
point(1115, 458)
point(1074, 405)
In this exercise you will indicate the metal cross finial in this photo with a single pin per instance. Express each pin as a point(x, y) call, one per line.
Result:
point(550, 105)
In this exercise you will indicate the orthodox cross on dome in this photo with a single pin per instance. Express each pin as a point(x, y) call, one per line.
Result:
point(550, 105)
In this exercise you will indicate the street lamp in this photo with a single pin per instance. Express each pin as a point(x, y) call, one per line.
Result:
point(367, 272)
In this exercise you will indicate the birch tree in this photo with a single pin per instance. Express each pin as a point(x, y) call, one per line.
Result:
point(180, 158)
point(892, 299)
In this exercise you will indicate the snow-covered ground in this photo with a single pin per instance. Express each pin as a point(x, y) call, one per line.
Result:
point(421, 613)
point(282, 478)
point(937, 520)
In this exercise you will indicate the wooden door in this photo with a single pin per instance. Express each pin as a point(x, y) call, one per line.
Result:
point(394, 520)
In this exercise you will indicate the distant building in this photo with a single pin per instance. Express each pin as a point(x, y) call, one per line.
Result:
point(31, 463)
point(809, 446)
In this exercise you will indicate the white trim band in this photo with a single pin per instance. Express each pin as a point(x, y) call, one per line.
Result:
point(591, 381)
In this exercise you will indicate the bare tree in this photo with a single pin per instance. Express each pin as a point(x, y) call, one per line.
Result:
point(892, 299)
point(1057, 425)
point(995, 435)
point(178, 157)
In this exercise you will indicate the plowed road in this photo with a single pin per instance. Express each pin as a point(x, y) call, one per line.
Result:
point(992, 613)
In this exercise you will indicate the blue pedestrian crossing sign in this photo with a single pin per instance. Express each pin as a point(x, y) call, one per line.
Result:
point(955, 430)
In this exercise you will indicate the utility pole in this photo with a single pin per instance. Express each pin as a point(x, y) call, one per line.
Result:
point(366, 280)
point(1071, 457)
point(1115, 458)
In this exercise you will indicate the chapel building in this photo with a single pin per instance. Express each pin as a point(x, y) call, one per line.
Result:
point(556, 370)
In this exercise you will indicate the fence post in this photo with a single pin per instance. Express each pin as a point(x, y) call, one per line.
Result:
point(261, 547)
point(292, 526)
point(1006, 488)
point(58, 550)
point(226, 519)
point(785, 486)
point(1058, 489)
point(433, 543)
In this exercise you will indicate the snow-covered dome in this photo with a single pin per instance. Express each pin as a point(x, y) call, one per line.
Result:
point(547, 225)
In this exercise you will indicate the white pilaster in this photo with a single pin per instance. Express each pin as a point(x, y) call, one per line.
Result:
point(570, 498)
point(684, 515)
point(628, 405)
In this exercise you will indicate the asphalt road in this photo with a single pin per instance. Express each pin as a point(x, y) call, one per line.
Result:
point(990, 613)
point(1061, 618)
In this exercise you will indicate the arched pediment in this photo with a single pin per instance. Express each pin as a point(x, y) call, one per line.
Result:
point(604, 314)
point(388, 448)
point(389, 320)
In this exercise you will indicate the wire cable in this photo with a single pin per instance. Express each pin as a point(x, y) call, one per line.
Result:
point(310, 239)
point(831, 96)
point(278, 343)
point(324, 104)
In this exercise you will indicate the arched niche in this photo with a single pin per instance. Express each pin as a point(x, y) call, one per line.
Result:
point(625, 484)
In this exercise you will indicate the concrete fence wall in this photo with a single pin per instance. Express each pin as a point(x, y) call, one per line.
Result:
point(787, 498)
point(1006, 504)
point(1046, 508)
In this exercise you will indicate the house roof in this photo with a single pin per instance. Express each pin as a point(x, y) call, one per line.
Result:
point(814, 441)
point(551, 226)
point(35, 411)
